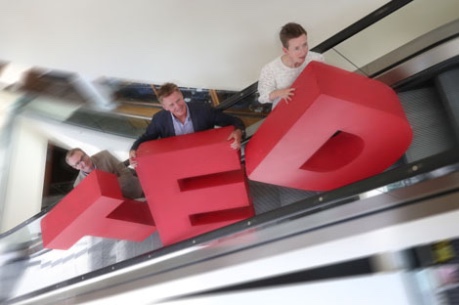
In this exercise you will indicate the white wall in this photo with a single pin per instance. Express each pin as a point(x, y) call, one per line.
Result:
point(201, 43)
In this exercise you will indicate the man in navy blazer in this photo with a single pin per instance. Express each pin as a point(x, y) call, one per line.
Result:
point(179, 117)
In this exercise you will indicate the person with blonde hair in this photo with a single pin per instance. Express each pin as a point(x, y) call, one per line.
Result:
point(179, 118)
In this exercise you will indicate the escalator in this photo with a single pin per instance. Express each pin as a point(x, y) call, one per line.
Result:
point(297, 237)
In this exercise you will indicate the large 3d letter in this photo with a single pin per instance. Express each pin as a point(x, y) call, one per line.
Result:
point(194, 183)
point(96, 207)
point(339, 128)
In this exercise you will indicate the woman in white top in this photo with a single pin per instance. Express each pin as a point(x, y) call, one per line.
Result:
point(277, 76)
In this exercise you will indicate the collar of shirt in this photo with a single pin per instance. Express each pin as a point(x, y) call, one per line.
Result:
point(186, 127)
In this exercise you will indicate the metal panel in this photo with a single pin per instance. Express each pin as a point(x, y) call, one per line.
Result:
point(277, 248)
point(429, 121)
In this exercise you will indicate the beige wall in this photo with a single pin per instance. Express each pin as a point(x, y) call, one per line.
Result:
point(201, 43)
point(7, 101)
point(24, 182)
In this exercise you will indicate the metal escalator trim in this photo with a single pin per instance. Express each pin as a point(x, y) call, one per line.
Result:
point(433, 197)
point(412, 49)
point(408, 69)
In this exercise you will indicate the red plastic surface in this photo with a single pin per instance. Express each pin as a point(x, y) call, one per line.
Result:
point(193, 183)
point(339, 128)
point(96, 207)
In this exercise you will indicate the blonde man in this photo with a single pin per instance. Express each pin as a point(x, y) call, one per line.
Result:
point(179, 117)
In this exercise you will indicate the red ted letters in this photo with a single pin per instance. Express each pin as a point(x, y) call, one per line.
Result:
point(96, 207)
point(340, 127)
point(193, 183)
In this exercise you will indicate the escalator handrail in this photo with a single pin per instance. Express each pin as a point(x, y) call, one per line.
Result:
point(328, 44)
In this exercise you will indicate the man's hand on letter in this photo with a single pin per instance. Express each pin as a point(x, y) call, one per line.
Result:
point(132, 158)
point(236, 135)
